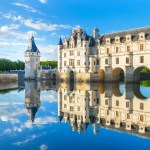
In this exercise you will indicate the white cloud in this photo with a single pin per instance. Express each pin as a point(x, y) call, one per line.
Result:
point(43, 1)
point(28, 8)
point(43, 147)
point(8, 28)
point(38, 25)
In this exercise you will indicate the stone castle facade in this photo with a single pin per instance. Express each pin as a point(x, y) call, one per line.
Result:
point(103, 57)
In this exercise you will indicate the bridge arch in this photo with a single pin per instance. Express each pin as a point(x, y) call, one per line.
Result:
point(137, 73)
point(53, 77)
point(118, 74)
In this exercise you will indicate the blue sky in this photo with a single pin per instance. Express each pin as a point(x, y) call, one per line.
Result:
point(47, 19)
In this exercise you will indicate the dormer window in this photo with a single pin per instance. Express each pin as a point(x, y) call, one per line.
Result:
point(117, 39)
point(128, 38)
point(142, 36)
point(107, 40)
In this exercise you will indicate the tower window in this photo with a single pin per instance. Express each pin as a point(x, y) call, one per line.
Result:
point(64, 54)
point(141, 59)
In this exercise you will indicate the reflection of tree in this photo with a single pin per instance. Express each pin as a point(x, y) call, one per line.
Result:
point(145, 83)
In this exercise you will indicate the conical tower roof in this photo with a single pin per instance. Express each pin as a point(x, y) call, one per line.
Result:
point(60, 41)
point(32, 46)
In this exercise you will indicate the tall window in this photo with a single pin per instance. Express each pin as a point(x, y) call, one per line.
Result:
point(128, 49)
point(64, 63)
point(141, 118)
point(117, 114)
point(141, 106)
point(127, 60)
point(78, 62)
point(141, 59)
point(64, 54)
point(78, 53)
point(141, 47)
point(117, 49)
point(117, 60)
point(108, 51)
point(72, 62)
point(127, 104)
point(128, 116)
point(71, 53)
point(106, 61)
point(117, 103)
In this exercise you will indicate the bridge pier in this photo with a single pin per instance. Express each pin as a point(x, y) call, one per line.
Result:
point(108, 74)
point(129, 74)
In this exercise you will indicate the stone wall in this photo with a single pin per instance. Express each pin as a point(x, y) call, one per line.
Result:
point(8, 77)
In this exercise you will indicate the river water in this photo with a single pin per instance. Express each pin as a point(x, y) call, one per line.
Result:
point(49, 116)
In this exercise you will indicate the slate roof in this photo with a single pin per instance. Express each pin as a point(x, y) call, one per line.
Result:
point(32, 46)
point(122, 34)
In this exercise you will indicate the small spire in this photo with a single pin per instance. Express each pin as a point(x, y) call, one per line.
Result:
point(60, 41)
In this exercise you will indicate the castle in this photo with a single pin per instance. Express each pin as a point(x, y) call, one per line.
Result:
point(104, 57)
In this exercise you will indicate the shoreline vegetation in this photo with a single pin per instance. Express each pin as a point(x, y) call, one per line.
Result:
point(6, 65)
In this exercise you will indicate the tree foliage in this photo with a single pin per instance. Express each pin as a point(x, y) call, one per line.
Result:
point(53, 64)
point(7, 65)
point(145, 70)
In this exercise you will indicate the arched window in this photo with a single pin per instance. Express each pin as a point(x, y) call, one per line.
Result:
point(127, 60)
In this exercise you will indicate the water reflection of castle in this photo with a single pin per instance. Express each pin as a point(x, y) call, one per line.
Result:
point(32, 95)
point(106, 106)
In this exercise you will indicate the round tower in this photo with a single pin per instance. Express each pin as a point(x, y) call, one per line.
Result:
point(32, 61)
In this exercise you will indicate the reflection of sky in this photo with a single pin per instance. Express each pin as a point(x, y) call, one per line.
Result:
point(17, 132)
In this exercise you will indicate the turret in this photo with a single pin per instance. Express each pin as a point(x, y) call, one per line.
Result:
point(32, 60)
point(96, 33)
point(60, 43)
point(60, 47)
point(85, 51)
